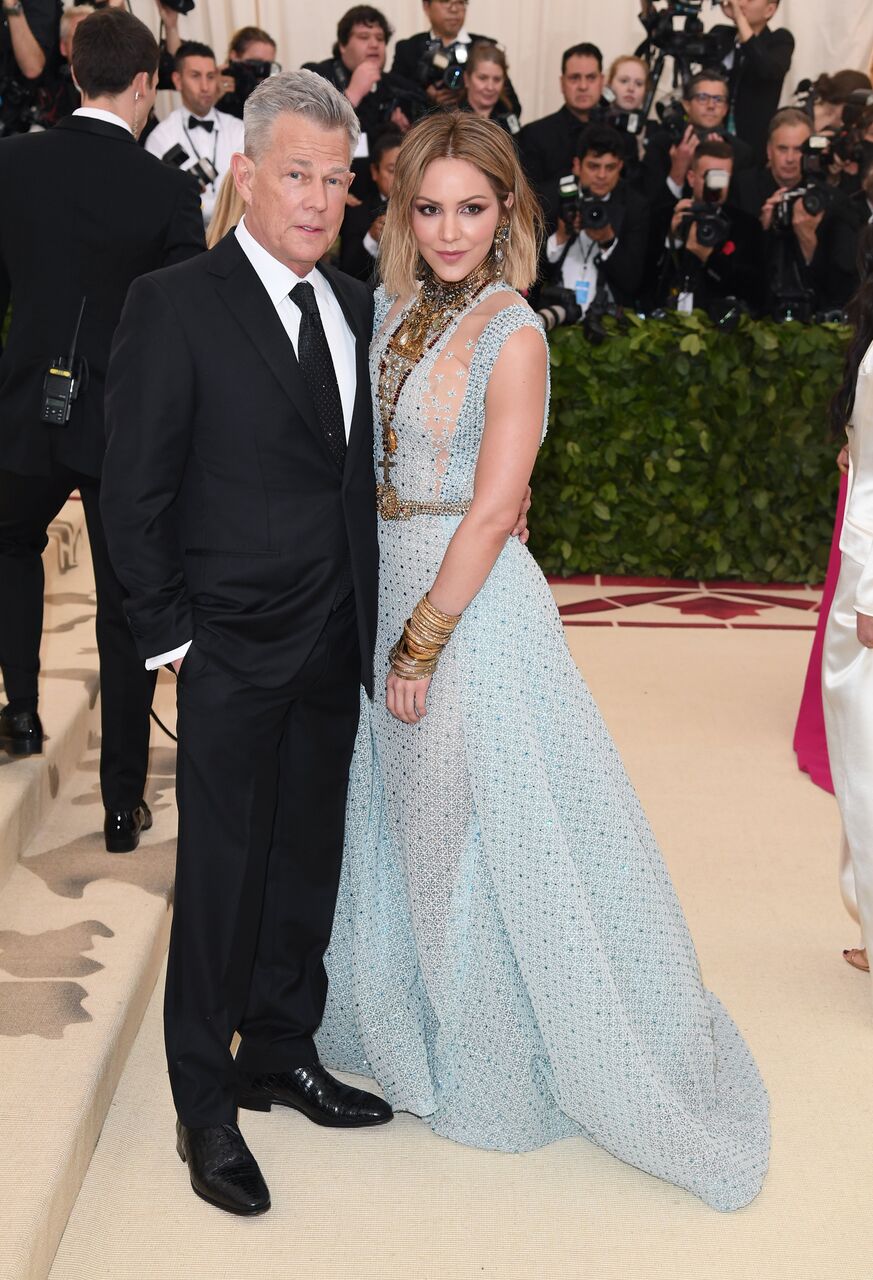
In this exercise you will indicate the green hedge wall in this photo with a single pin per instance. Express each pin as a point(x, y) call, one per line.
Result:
point(676, 450)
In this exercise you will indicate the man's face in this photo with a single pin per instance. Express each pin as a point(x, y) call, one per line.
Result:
point(383, 172)
point(700, 168)
point(707, 107)
point(198, 82)
point(582, 84)
point(598, 174)
point(758, 12)
point(366, 43)
point(446, 17)
point(295, 192)
point(785, 153)
point(257, 51)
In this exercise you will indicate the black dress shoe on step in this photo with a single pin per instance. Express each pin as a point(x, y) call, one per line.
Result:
point(122, 827)
point(223, 1170)
point(20, 733)
point(314, 1091)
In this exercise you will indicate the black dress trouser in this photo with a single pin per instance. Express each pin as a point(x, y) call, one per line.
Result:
point(28, 504)
point(261, 783)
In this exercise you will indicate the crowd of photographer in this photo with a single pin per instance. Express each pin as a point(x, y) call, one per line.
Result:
point(711, 198)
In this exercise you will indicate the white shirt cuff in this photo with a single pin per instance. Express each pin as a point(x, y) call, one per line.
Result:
point(162, 659)
point(675, 189)
point(371, 245)
point(553, 249)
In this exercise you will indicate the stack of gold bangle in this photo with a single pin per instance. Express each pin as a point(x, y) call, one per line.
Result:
point(426, 634)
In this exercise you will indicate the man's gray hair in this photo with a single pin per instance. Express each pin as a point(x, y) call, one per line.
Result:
point(298, 93)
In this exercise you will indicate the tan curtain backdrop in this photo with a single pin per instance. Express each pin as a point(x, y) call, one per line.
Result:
point(830, 34)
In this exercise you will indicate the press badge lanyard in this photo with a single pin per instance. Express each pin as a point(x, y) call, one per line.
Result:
point(192, 144)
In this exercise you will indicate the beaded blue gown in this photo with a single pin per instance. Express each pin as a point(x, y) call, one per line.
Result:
point(509, 959)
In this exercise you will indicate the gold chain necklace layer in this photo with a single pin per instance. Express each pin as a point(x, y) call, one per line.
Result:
point(437, 306)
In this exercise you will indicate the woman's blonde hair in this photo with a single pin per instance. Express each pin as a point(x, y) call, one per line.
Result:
point(629, 57)
point(229, 208)
point(458, 135)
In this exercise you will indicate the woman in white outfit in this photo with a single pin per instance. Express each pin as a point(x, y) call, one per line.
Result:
point(847, 669)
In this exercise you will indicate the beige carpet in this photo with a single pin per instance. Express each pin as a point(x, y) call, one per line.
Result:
point(704, 720)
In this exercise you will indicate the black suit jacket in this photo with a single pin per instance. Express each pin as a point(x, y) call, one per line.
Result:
point(408, 54)
point(227, 519)
point(84, 211)
point(548, 148)
point(759, 69)
point(624, 269)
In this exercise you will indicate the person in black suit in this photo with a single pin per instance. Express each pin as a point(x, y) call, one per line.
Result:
point(240, 506)
point(549, 146)
point(757, 62)
point(84, 212)
point(604, 264)
point(447, 35)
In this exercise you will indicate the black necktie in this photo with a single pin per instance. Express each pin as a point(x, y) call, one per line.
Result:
point(316, 365)
point(194, 122)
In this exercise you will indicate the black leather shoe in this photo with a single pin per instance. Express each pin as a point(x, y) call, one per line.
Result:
point(314, 1091)
point(122, 827)
point(20, 734)
point(223, 1170)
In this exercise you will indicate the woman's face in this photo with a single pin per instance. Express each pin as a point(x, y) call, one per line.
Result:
point(629, 86)
point(484, 86)
point(454, 218)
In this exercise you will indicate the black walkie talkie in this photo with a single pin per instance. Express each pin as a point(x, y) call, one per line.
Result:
point(61, 386)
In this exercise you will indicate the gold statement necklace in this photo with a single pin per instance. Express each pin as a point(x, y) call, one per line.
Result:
point(437, 305)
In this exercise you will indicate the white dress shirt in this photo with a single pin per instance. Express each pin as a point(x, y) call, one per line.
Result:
point(279, 280)
point(108, 117)
point(217, 146)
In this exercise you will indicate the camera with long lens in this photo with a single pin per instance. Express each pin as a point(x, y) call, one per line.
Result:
point(815, 193)
point(442, 68)
point(246, 75)
point(609, 112)
point(687, 44)
point(558, 307)
point(203, 170)
point(578, 206)
point(712, 227)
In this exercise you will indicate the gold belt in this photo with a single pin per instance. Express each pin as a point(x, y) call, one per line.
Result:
point(392, 507)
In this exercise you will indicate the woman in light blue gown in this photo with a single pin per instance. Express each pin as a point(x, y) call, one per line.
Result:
point(509, 959)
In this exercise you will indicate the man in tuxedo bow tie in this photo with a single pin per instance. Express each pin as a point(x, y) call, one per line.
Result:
point(196, 126)
point(239, 500)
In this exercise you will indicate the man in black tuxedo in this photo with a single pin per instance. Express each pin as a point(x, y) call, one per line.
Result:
point(757, 63)
point(84, 212)
point(447, 34)
point(548, 147)
point(239, 500)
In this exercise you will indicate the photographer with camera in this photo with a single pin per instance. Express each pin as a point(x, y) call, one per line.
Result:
point(380, 98)
point(598, 249)
point(435, 59)
point(68, 277)
point(251, 58)
point(364, 223)
point(196, 132)
point(701, 116)
point(713, 258)
point(757, 63)
point(548, 146)
point(810, 227)
point(28, 54)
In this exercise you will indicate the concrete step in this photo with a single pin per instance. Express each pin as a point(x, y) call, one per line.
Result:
point(69, 687)
point(83, 935)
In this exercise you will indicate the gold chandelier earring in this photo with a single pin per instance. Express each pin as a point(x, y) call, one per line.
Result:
point(501, 245)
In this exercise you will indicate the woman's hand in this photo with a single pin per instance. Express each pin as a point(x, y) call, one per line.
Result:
point(406, 699)
point(843, 460)
point(521, 530)
point(865, 630)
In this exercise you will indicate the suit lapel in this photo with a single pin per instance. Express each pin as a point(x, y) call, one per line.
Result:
point(249, 304)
